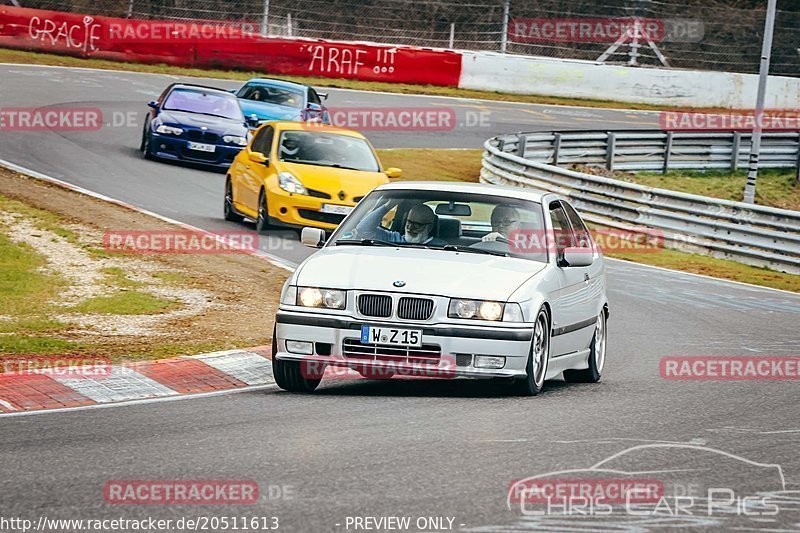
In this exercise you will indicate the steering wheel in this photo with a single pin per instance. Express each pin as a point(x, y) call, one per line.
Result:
point(503, 240)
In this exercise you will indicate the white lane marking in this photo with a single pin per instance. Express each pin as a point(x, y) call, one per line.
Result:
point(703, 276)
point(7, 405)
point(277, 261)
point(121, 384)
point(247, 367)
point(337, 89)
point(142, 401)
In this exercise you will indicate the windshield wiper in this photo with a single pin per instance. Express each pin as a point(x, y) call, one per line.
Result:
point(366, 242)
point(456, 248)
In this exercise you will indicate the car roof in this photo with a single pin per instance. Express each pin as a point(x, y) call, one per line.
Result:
point(533, 195)
point(201, 87)
point(276, 83)
point(289, 125)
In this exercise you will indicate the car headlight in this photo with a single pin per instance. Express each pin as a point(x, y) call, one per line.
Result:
point(289, 183)
point(168, 130)
point(289, 295)
point(325, 298)
point(484, 310)
point(235, 139)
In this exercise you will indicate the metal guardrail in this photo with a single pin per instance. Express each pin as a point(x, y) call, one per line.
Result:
point(751, 234)
point(654, 150)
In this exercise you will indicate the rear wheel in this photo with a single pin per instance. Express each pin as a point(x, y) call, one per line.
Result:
point(229, 211)
point(288, 374)
point(262, 222)
point(538, 358)
point(597, 356)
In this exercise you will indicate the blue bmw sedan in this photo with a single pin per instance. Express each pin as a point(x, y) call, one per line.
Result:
point(195, 124)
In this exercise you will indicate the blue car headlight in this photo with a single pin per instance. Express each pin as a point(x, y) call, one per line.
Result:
point(235, 139)
point(168, 130)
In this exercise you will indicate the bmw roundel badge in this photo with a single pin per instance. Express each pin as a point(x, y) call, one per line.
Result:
point(399, 283)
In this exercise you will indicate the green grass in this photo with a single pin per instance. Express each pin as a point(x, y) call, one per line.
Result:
point(23, 344)
point(775, 187)
point(19, 56)
point(421, 164)
point(43, 220)
point(117, 277)
point(125, 303)
point(23, 287)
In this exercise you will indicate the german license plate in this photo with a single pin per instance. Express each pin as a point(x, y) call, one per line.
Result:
point(336, 209)
point(391, 336)
point(202, 147)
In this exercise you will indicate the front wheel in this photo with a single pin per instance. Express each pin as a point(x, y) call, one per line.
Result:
point(262, 222)
point(145, 147)
point(538, 358)
point(597, 356)
point(229, 211)
point(289, 374)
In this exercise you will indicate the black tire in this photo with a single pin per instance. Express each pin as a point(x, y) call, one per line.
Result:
point(145, 146)
point(597, 356)
point(262, 221)
point(533, 382)
point(288, 374)
point(228, 210)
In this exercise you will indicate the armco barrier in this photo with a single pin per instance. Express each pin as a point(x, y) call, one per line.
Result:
point(655, 150)
point(205, 45)
point(755, 235)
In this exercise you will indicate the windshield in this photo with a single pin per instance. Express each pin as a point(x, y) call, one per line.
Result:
point(327, 150)
point(272, 95)
point(441, 220)
point(203, 102)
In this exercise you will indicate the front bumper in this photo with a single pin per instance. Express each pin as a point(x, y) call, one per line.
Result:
point(300, 210)
point(458, 345)
point(175, 148)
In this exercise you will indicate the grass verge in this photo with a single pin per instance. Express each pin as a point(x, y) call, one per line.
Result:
point(775, 187)
point(61, 293)
point(20, 56)
point(464, 165)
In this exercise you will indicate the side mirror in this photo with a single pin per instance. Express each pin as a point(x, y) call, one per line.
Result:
point(393, 172)
point(323, 96)
point(313, 237)
point(578, 257)
point(258, 157)
point(153, 105)
point(314, 107)
point(252, 120)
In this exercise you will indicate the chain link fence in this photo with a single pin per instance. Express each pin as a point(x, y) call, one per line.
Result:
point(720, 35)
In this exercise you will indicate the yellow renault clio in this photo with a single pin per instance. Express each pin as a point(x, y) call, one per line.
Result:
point(297, 174)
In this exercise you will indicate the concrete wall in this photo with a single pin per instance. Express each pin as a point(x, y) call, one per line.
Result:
point(584, 79)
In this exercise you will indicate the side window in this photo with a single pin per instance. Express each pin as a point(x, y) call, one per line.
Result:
point(582, 237)
point(561, 228)
point(263, 140)
point(313, 97)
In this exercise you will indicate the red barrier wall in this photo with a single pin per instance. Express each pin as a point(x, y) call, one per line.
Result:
point(209, 46)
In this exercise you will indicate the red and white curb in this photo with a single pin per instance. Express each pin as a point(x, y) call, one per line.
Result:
point(137, 382)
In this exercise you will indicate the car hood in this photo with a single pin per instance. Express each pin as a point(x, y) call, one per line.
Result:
point(218, 125)
point(266, 111)
point(354, 183)
point(434, 272)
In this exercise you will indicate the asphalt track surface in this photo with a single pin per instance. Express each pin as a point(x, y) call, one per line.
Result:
point(414, 449)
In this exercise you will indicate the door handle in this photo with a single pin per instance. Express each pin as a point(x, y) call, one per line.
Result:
point(586, 276)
